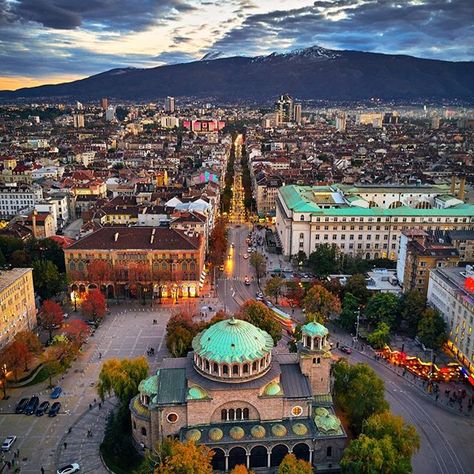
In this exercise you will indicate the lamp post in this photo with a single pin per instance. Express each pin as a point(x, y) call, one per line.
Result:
point(4, 384)
point(75, 300)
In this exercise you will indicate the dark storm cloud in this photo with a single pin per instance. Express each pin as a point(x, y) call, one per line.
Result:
point(435, 28)
point(124, 15)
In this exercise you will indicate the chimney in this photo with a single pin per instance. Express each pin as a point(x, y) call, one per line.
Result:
point(452, 189)
point(116, 236)
point(462, 186)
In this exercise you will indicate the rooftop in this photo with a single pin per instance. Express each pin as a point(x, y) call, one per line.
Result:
point(8, 277)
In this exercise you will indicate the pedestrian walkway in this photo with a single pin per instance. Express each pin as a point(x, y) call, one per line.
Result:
point(81, 444)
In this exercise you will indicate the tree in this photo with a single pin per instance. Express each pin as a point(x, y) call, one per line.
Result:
point(179, 342)
point(404, 437)
point(16, 357)
point(259, 315)
point(292, 465)
point(320, 302)
point(241, 469)
point(258, 262)
point(411, 307)
point(382, 307)
point(294, 291)
point(122, 377)
point(51, 364)
point(50, 316)
point(358, 391)
point(99, 271)
point(350, 308)
point(47, 279)
point(324, 260)
point(76, 331)
point(357, 286)
point(184, 458)
point(379, 338)
point(30, 339)
point(46, 249)
point(432, 329)
point(218, 242)
point(20, 258)
point(93, 305)
point(274, 287)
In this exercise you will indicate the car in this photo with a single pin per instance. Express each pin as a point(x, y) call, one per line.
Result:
point(32, 405)
point(245, 256)
point(8, 443)
point(54, 410)
point(42, 409)
point(249, 250)
point(69, 469)
point(247, 280)
point(91, 322)
point(56, 392)
point(65, 315)
point(345, 349)
point(21, 405)
point(259, 294)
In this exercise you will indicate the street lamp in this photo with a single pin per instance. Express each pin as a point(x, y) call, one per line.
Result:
point(4, 384)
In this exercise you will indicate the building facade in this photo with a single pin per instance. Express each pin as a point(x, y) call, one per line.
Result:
point(365, 220)
point(249, 404)
point(17, 303)
point(17, 197)
point(139, 262)
point(451, 292)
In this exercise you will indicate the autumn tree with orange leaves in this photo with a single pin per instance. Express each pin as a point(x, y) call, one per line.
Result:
point(93, 305)
point(50, 317)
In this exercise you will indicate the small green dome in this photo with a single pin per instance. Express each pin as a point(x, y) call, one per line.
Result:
point(258, 431)
point(299, 429)
point(193, 435)
point(215, 434)
point(236, 432)
point(232, 340)
point(321, 411)
point(197, 393)
point(314, 329)
point(279, 430)
point(328, 423)
point(273, 388)
point(149, 386)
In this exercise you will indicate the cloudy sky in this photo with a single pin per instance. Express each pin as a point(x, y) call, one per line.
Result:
point(49, 41)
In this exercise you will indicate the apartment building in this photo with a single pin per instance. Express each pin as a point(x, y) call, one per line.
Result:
point(365, 220)
point(17, 197)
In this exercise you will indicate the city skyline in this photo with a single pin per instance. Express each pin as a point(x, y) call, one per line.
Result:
point(74, 43)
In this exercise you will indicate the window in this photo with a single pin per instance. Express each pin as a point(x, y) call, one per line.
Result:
point(246, 368)
point(231, 414)
point(245, 413)
point(224, 415)
point(235, 370)
point(301, 236)
point(134, 425)
point(172, 417)
point(302, 217)
point(143, 430)
point(238, 413)
point(329, 451)
point(215, 368)
point(225, 369)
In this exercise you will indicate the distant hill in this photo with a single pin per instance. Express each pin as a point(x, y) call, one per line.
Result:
point(311, 73)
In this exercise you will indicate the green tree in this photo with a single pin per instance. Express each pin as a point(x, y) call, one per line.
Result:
point(324, 260)
point(259, 315)
point(357, 286)
point(274, 287)
point(358, 391)
point(432, 329)
point(380, 336)
point(350, 308)
point(258, 262)
point(122, 377)
point(20, 258)
point(411, 307)
point(47, 279)
point(292, 465)
point(382, 307)
point(320, 303)
point(179, 342)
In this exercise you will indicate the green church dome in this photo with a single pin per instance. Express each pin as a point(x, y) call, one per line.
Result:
point(299, 429)
point(236, 432)
point(273, 388)
point(232, 340)
point(149, 386)
point(327, 423)
point(197, 393)
point(314, 329)
point(321, 411)
point(279, 430)
point(258, 431)
point(193, 435)
point(215, 434)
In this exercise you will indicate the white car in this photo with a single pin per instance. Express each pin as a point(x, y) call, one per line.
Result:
point(69, 469)
point(8, 443)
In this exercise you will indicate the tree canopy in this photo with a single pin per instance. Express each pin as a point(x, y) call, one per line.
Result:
point(259, 315)
point(412, 305)
point(258, 262)
point(184, 458)
point(432, 329)
point(321, 303)
point(274, 287)
point(357, 286)
point(50, 316)
point(348, 316)
point(324, 260)
point(380, 336)
point(292, 465)
point(94, 306)
point(382, 307)
point(47, 279)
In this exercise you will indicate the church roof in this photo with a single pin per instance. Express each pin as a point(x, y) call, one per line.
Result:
point(314, 329)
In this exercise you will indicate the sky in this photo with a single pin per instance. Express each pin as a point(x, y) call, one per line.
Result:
point(52, 41)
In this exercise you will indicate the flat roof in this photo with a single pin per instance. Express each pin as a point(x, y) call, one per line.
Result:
point(8, 277)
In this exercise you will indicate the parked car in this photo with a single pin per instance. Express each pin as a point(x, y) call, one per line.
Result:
point(69, 469)
point(31, 406)
point(8, 443)
point(20, 408)
point(247, 280)
point(54, 410)
point(42, 409)
point(345, 349)
point(56, 392)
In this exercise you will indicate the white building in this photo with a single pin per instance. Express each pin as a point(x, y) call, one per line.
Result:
point(16, 197)
point(451, 292)
point(78, 120)
point(169, 122)
point(363, 220)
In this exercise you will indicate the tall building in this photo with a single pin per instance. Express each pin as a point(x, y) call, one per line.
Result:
point(17, 303)
point(364, 220)
point(341, 122)
point(78, 120)
point(104, 103)
point(250, 404)
point(110, 113)
point(451, 292)
point(284, 108)
point(170, 105)
point(297, 113)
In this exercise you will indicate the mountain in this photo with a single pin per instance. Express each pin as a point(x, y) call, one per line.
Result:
point(311, 73)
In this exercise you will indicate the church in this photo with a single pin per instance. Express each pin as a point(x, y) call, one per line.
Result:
point(251, 404)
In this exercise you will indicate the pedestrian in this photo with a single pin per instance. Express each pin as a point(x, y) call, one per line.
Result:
point(100, 405)
point(90, 406)
point(69, 430)
point(100, 355)
point(95, 401)
point(42, 470)
point(13, 462)
point(18, 453)
point(65, 445)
